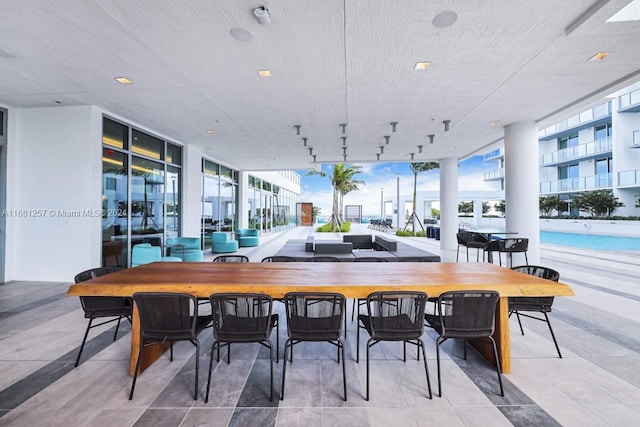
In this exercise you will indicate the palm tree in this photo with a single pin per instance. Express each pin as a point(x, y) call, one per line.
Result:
point(342, 181)
point(416, 168)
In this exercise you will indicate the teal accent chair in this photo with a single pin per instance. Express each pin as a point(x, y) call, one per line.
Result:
point(221, 243)
point(144, 253)
point(186, 248)
point(248, 237)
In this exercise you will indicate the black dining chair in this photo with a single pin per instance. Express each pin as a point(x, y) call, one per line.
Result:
point(465, 315)
point(323, 259)
point(279, 258)
point(509, 246)
point(470, 239)
point(394, 316)
point(231, 258)
point(520, 306)
point(168, 317)
point(114, 309)
point(242, 318)
point(363, 301)
point(317, 317)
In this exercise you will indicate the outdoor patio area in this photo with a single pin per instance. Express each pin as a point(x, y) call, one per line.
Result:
point(596, 383)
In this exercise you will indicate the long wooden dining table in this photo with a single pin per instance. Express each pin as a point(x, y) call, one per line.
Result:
point(353, 280)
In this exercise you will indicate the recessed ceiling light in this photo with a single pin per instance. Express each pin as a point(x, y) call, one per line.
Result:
point(264, 73)
point(599, 56)
point(123, 80)
point(240, 34)
point(211, 131)
point(494, 122)
point(444, 19)
point(422, 65)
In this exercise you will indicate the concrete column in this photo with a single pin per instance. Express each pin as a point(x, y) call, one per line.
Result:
point(477, 212)
point(448, 203)
point(243, 200)
point(522, 185)
point(191, 191)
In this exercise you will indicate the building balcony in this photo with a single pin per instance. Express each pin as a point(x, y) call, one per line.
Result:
point(629, 178)
point(582, 183)
point(494, 175)
point(579, 152)
point(600, 114)
point(629, 102)
point(636, 139)
point(494, 155)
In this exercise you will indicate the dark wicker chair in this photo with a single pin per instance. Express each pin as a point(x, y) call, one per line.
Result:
point(470, 239)
point(231, 258)
point(242, 318)
point(111, 308)
point(168, 317)
point(323, 259)
point(279, 258)
point(509, 246)
point(465, 315)
point(363, 301)
point(518, 305)
point(394, 316)
point(314, 316)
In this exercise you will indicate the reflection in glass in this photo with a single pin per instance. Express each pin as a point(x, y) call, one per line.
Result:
point(147, 201)
point(173, 201)
point(147, 145)
point(114, 208)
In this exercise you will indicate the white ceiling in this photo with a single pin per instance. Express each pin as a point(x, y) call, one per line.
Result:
point(333, 62)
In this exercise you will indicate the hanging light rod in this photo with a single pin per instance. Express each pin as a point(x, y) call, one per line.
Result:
point(412, 154)
point(344, 128)
point(446, 125)
point(382, 149)
point(344, 150)
point(378, 156)
point(431, 139)
point(311, 151)
point(420, 148)
point(304, 141)
point(386, 138)
point(344, 141)
point(345, 157)
point(393, 126)
point(314, 158)
point(297, 129)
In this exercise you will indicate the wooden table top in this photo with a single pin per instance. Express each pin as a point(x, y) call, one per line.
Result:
point(353, 280)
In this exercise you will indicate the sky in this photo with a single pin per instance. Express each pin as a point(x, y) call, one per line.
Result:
point(318, 190)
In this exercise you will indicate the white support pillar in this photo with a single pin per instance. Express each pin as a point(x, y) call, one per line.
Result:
point(243, 199)
point(448, 203)
point(477, 212)
point(522, 185)
point(191, 192)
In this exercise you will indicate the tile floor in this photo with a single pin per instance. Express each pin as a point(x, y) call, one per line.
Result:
point(595, 384)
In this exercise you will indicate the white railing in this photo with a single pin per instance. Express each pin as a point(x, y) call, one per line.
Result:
point(594, 113)
point(631, 177)
point(579, 151)
point(593, 182)
point(494, 174)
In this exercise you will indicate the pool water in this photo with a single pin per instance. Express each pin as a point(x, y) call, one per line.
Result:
point(591, 241)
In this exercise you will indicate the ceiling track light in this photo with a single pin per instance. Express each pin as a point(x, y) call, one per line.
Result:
point(431, 139)
point(344, 141)
point(311, 151)
point(382, 149)
point(386, 139)
point(393, 126)
point(314, 158)
point(344, 150)
point(297, 129)
point(304, 141)
point(344, 128)
point(446, 125)
point(412, 154)
point(262, 15)
point(345, 157)
point(420, 148)
point(378, 156)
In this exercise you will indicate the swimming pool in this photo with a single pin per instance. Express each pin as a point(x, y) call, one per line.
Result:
point(591, 241)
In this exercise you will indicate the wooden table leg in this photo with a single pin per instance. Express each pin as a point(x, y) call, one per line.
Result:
point(149, 354)
point(501, 337)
